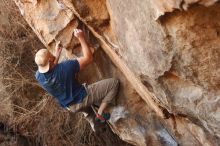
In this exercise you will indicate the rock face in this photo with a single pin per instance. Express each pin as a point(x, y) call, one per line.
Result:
point(167, 62)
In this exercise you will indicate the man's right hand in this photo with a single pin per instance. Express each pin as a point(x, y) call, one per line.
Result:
point(78, 33)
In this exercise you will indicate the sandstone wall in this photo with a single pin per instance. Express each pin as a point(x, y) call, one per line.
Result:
point(165, 54)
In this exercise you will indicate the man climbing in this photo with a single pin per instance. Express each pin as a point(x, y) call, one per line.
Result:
point(59, 80)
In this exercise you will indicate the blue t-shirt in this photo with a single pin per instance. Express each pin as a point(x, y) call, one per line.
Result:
point(61, 83)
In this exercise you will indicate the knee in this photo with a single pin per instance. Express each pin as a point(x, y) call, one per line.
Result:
point(116, 83)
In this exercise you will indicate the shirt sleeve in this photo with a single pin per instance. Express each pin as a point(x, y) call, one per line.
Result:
point(71, 66)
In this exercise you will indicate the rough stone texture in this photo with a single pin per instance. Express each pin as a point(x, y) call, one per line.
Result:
point(193, 81)
point(176, 57)
point(163, 6)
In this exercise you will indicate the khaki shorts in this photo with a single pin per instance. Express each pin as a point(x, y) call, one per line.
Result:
point(101, 91)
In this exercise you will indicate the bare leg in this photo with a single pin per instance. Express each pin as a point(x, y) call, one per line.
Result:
point(101, 108)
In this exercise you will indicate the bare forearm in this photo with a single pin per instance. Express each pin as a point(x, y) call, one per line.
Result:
point(87, 57)
point(57, 57)
point(87, 53)
point(58, 49)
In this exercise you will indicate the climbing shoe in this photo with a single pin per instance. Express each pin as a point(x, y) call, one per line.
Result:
point(102, 118)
